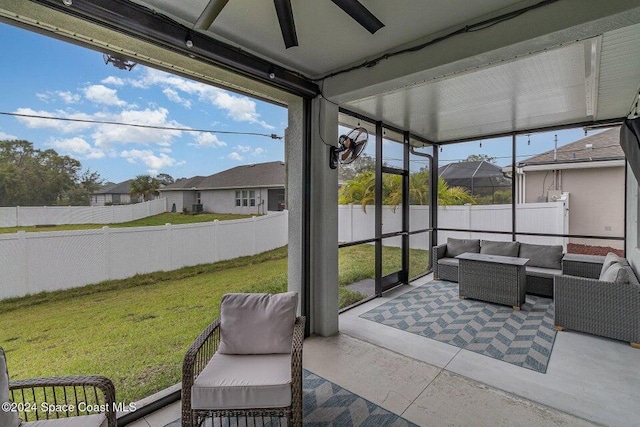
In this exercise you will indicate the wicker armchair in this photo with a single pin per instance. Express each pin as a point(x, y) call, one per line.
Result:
point(78, 401)
point(585, 304)
point(200, 355)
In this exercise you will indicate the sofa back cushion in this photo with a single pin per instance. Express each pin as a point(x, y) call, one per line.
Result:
point(491, 247)
point(545, 256)
point(257, 323)
point(616, 273)
point(7, 418)
point(610, 260)
point(457, 247)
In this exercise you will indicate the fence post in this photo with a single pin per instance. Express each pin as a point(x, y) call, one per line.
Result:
point(254, 230)
point(107, 251)
point(17, 216)
point(168, 242)
point(467, 218)
point(22, 249)
point(216, 237)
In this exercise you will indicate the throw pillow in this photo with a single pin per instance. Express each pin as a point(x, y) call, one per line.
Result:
point(456, 247)
point(257, 323)
point(616, 273)
point(545, 256)
point(609, 260)
point(490, 247)
point(7, 419)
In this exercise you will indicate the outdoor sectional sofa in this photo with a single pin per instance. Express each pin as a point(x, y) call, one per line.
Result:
point(598, 295)
point(545, 261)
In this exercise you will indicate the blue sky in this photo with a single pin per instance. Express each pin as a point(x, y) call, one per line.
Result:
point(47, 77)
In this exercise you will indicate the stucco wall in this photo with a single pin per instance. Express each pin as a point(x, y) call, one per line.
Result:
point(172, 197)
point(596, 200)
point(632, 251)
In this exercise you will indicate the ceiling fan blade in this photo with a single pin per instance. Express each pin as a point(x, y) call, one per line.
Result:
point(361, 14)
point(209, 14)
point(287, 25)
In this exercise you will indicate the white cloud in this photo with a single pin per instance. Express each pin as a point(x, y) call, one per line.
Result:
point(43, 96)
point(173, 95)
point(68, 97)
point(237, 107)
point(108, 135)
point(258, 151)
point(59, 125)
point(6, 136)
point(112, 80)
point(101, 94)
point(235, 156)
point(152, 161)
point(77, 145)
point(243, 148)
point(206, 139)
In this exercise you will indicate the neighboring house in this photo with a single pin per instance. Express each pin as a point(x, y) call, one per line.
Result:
point(592, 171)
point(249, 189)
point(116, 194)
point(479, 177)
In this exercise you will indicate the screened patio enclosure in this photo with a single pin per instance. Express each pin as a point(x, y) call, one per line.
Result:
point(449, 73)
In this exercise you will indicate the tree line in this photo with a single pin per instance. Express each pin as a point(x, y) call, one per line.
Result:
point(34, 177)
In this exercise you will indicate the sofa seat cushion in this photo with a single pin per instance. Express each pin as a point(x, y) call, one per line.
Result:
point(457, 247)
point(449, 261)
point(542, 272)
point(545, 256)
point(491, 247)
point(257, 323)
point(95, 420)
point(243, 382)
point(7, 419)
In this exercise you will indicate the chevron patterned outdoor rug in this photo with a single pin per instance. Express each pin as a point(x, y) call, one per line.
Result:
point(327, 404)
point(524, 338)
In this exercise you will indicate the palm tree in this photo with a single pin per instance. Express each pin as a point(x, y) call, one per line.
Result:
point(453, 195)
point(361, 189)
point(144, 186)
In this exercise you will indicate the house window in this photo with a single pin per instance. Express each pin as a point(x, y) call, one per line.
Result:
point(199, 198)
point(245, 198)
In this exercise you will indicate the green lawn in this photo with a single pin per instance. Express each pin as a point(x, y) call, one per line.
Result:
point(160, 219)
point(136, 331)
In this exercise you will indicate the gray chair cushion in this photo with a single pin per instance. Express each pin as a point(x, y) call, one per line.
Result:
point(449, 261)
point(491, 247)
point(545, 256)
point(257, 323)
point(7, 419)
point(243, 381)
point(96, 420)
point(457, 247)
point(609, 260)
point(542, 272)
point(616, 273)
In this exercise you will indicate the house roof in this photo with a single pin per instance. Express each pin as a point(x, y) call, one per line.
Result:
point(604, 146)
point(123, 187)
point(270, 174)
point(478, 173)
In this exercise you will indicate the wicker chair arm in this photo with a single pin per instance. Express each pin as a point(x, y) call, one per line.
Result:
point(296, 371)
point(440, 250)
point(582, 265)
point(195, 359)
point(93, 381)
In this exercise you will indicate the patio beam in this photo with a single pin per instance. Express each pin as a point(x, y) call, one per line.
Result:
point(539, 29)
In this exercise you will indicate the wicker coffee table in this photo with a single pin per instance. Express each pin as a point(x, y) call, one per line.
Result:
point(492, 278)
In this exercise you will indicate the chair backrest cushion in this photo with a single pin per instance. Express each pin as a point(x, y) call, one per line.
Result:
point(616, 273)
point(7, 418)
point(545, 256)
point(610, 260)
point(457, 247)
point(257, 323)
point(490, 247)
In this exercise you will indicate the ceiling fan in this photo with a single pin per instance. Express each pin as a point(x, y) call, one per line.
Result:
point(353, 8)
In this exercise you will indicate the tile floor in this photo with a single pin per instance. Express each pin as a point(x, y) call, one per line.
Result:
point(589, 380)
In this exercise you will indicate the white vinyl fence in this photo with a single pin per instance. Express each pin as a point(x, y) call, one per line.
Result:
point(552, 218)
point(57, 215)
point(36, 262)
